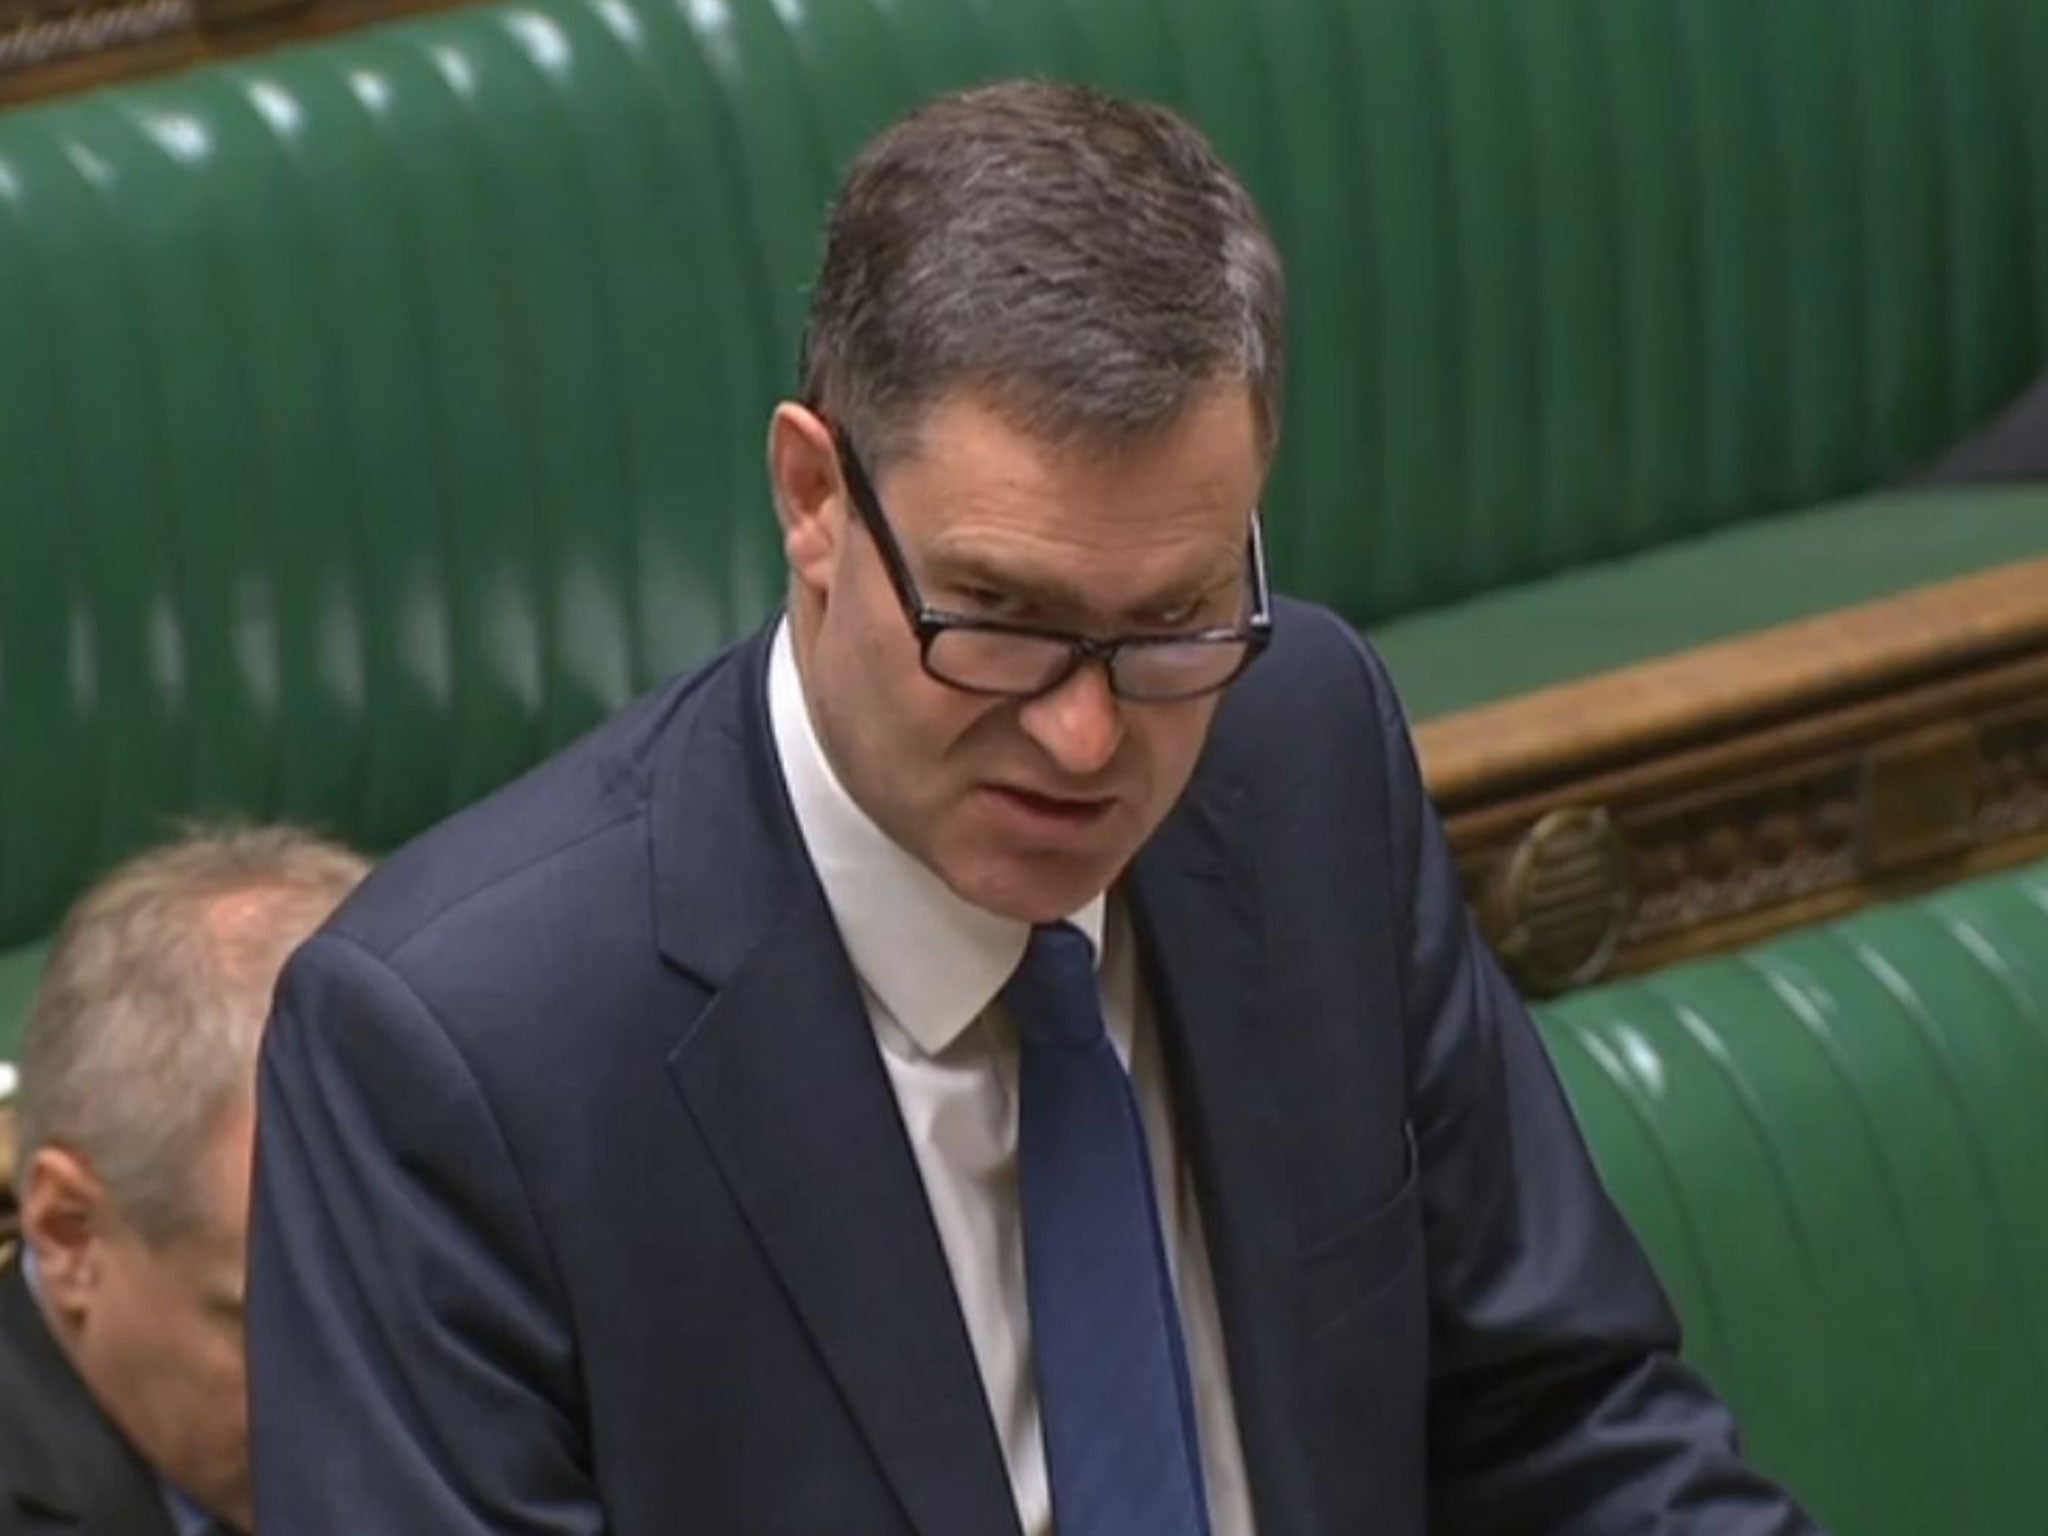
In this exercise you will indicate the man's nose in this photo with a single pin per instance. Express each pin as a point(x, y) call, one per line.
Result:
point(1079, 724)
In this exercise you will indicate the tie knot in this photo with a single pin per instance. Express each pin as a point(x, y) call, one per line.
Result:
point(1051, 995)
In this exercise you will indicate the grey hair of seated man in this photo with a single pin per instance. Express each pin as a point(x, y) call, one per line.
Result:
point(146, 1025)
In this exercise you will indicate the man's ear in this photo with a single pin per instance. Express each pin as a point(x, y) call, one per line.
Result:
point(810, 498)
point(65, 1211)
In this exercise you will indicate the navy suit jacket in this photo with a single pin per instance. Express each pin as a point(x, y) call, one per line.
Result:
point(583, 1202)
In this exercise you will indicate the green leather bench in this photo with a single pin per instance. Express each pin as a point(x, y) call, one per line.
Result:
point(1836, 1149)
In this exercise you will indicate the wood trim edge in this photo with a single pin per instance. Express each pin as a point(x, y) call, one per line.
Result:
point(1734, 687)
point(192, 33)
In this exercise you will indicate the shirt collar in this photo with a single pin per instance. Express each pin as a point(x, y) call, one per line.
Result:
point(933, 960)
point(187, 1518)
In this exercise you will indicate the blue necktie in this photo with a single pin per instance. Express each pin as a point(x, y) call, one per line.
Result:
point(1121, 1449)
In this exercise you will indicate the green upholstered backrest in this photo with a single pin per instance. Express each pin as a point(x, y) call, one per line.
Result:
point(1836, 1149)
point(374, 415)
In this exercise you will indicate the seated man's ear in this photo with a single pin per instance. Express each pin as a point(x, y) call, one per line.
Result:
point(65, 1212)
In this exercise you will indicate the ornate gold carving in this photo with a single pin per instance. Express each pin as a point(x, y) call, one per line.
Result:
point(1563, 900)
point(1730, 857)
point(1739, 855)
point(2013, 783)
point(33, 33)
point(1919, 799)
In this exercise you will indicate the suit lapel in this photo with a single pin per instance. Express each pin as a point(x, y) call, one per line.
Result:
point(64, 1465)
point(1192, 898)
point(783, 1078)
point(131, 1506)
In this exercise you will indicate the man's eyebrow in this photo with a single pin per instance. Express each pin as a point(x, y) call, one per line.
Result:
point(1040, 589)
point(1044, 591)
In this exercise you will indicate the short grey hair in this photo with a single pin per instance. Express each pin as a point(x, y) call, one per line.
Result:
point(1085, 264)
point(145, 1026)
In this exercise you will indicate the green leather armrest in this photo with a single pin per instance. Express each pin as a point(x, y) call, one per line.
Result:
point(1836, 1149)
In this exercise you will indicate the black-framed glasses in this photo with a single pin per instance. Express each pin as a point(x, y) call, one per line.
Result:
point(1019, 661)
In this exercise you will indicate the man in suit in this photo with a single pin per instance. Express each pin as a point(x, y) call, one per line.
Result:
point(122, 1395)
point(1001, 1050)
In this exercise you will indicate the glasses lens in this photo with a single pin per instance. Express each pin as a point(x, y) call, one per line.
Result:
point(1178, 669)
point(989, 661)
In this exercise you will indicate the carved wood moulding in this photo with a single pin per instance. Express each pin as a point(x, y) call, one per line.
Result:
point(38, 34)
point(59, 47)
point(35, 35)
point(1708, 800)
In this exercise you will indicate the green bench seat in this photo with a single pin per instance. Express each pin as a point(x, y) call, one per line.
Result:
point(1696, 591)
point(1835, 1147)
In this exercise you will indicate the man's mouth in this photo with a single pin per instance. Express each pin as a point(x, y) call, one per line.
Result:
point(1057, 810)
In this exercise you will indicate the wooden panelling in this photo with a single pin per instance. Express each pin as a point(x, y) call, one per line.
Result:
point(1753, 786)
point(59, 47)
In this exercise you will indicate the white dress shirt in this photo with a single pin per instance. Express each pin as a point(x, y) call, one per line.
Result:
point(930, 966)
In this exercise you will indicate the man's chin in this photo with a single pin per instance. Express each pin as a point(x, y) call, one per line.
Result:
point(1033, 889)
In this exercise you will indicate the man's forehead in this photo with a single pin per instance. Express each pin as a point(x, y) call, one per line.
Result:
point(990, 425)
point(1075, 529)
point(967, 460)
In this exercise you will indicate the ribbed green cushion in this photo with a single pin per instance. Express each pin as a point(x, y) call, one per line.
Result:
point(375, 415)
point(1836, 1149)
point(19, 971)
point(1711, 588)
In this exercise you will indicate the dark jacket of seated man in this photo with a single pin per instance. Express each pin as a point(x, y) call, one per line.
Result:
point(63, 1464)
point(122, 1390)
